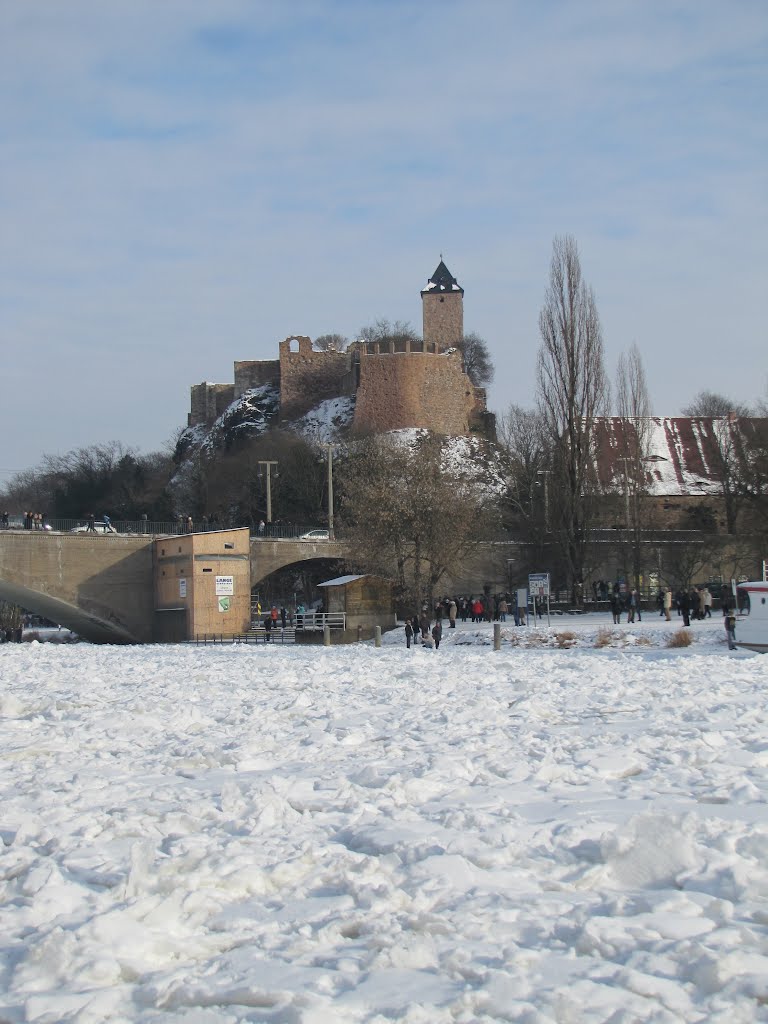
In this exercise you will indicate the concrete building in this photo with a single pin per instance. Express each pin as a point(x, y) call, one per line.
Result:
point(202, 585)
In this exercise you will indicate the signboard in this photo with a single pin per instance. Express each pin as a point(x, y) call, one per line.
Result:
point(182, 587)
point(538, 584)
point(225, 585)
point(225, 603)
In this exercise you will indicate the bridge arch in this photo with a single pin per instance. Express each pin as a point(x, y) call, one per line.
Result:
point(100, 586)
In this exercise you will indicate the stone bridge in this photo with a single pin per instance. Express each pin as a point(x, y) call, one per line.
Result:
point(102, 586)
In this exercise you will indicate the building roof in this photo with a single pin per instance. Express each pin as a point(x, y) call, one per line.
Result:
point(684, 452)
point(442, 281)
point(340, 581)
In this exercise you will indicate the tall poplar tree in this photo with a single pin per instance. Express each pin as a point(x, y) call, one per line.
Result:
point(572, 392)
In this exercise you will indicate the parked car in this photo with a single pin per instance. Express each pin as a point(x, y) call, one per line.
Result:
point(315, 535)
point(97, 528)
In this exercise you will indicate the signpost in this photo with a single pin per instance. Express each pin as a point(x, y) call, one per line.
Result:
point(538, 587)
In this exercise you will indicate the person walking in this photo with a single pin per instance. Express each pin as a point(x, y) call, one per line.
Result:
point(667, 604)
point(437, 633)
point(685, 606)
point(503, 609)
point(616, 607)
point(424, 624)
point(730, 629)
point(452, 614)
point(707, 603)
point(408, 633)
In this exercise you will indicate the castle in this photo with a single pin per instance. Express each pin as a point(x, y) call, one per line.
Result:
point(395, 384)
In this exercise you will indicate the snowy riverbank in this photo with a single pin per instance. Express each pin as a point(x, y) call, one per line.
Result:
point(350, 834)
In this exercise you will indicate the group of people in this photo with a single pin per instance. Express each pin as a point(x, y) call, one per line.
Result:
point(31, 520)
point(695, 603)
point(480, 609)
point(629, 602)
point(419, 629)
point(275, 618)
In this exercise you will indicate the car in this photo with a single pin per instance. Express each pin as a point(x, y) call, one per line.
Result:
point(97, 528)
point(316, 535)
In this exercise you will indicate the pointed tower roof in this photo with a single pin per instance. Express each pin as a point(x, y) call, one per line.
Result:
point(442, 281)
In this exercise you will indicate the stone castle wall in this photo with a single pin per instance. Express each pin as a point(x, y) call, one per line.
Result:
point(308, 377)
point(208, 402)
point(253, 373)
point(415, 389)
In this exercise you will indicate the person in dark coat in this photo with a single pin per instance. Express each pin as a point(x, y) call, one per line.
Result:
point(437, 633)
point(685, 606)
point(408, 633)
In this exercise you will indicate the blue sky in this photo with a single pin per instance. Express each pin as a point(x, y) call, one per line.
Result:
point(183, 184)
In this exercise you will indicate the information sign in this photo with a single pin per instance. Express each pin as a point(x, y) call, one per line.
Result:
point(182, 587)
point(225, 585)
point(538, 584)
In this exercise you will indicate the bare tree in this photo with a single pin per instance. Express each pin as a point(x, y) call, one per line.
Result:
point(711, 403)
point(571, 392)
point(521, 436)
point(633, 406)
point(331, 343)
point(382, 330)
point(406, 516)
point(477, 360)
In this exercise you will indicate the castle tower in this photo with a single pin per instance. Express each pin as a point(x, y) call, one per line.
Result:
point(443, 309)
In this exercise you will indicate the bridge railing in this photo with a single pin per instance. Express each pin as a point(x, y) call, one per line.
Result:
point(148, 528)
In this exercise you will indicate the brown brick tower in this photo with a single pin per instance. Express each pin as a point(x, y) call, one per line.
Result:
point(443, 309)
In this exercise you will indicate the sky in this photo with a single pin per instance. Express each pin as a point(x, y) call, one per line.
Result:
point(184, 184)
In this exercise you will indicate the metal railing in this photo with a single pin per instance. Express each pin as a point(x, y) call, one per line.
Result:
point(149, 528)
point(302, 622)
point(253, 636)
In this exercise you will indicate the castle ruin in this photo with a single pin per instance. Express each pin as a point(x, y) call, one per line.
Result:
point(395, 384)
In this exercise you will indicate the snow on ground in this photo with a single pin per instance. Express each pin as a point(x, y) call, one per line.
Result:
point(352, 834)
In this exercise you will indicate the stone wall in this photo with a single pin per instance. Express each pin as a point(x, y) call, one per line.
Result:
point(208, 402)
point(443, 318)
point(308, 377)
point(252, 373)
point(414, 390)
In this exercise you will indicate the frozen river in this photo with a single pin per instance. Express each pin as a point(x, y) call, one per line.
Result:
point(317, 835)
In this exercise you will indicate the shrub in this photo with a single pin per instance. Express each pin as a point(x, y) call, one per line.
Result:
point(565, 639)
point(604, 637)
point(682, 638)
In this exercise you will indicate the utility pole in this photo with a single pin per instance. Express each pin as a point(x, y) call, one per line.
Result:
point(330, 491)
point(269, 465)
point(626, 459)
point(545, 473)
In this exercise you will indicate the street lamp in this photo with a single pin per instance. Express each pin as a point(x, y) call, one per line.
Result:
point(269, 464)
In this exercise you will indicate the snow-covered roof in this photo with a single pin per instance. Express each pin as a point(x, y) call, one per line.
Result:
point(340, 581)
point(442, 281)
point(684, 452)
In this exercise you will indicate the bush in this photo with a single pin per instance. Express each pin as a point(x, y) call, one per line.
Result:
point(604, 637)
point(682, 638)
point(565, 639)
